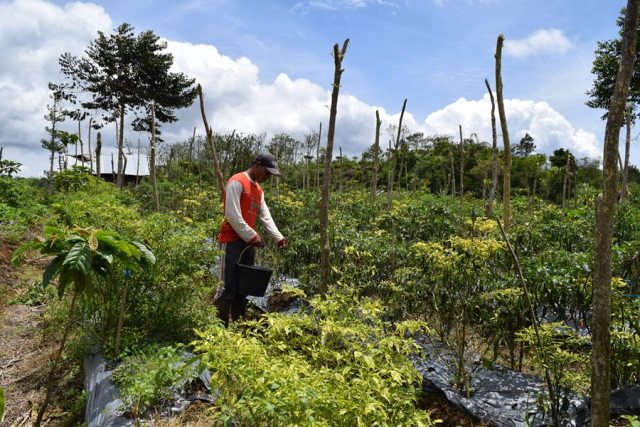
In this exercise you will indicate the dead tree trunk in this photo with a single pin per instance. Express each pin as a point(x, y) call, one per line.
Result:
point(89, 144)
point(98, 153)
point(392, 166)
point(461, 168)
point(601, 353)
point(340, 173)
point(627, 147)
point(376, 149)
point(152, 161)
point(114, 175)
point(318, 156)
point(565, 184)
point(212, 148)
point(121, 156)
point(325, 266)
point(452, 173)
point(81, 143)
point(138, 164)
point(506, 174)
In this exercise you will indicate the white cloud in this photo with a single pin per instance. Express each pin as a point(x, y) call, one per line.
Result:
point(306, 6)
point(236, 99)
point(548, 127)
point(33, 34)
point(540, 42)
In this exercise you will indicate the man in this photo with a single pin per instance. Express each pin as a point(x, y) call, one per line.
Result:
point(243, 203)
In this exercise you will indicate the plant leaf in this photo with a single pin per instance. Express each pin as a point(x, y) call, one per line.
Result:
point(93, 242)
point(78, 258)
point(18, 254)
point(144, 249)
point(52, 270)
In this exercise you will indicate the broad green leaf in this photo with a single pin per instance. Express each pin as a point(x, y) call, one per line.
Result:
point(18, 254)
point(148, 254)
point(78, 258)
point(52, 270)
point(81, 282)
point(65, 278)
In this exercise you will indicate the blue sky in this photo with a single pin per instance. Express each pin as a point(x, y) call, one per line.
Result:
point(266, 66)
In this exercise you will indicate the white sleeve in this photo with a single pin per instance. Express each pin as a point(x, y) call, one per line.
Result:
point(269, 224)
point(233, 213)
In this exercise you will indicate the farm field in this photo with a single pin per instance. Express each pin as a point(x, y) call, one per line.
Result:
point(426, 266)
point(245, 264)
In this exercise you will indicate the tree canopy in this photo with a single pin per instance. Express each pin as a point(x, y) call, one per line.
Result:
point(125, 73)
point(605, 71)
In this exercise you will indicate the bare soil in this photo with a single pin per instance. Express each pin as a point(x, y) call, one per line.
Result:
point(24, 349)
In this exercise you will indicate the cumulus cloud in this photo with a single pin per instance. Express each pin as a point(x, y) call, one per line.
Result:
point(33, 34)
point(547, 126)
point(540, 42)
point(236, 99)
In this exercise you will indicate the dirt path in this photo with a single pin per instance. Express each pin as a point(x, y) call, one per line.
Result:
point(23, 355)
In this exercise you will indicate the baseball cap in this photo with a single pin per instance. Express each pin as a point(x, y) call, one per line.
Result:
point(270, 162)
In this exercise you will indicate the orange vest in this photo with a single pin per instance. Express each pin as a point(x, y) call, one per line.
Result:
point(250, 200)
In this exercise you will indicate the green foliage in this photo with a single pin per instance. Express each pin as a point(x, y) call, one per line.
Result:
point(81, 255)
point(633, 420)
point(1, 404)
point(169, 299)
point(141, 65)
point(21, 207)
point(36, 295)
point(98, 205)
point(9, 167)
point(150, 375)
point(339, 364)
point(625, 335)
point(72, 179)
point(563, 354)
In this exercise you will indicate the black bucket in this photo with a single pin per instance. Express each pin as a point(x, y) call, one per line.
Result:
point(252, 279)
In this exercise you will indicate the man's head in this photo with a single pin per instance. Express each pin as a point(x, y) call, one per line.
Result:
point(264, 166)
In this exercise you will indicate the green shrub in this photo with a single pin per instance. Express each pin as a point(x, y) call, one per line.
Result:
point(339, 364)
point(150, 375)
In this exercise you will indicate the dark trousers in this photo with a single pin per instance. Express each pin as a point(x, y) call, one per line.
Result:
point(230, 302)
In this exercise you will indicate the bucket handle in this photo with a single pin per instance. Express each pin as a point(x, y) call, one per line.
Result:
point(242, 253)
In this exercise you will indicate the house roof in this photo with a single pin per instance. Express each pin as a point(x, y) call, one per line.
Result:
point(136, 164)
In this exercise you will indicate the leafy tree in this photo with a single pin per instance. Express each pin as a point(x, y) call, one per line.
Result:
point(9, 167)
point(125, 73)
point(525, 147)
point(56, 114)
point(605, 70)
point(559, 159)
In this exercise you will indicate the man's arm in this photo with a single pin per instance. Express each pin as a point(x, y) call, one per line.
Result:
point(233, 213)
point(267, 220)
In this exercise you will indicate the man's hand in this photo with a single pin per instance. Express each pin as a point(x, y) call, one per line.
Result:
point(283, 243)
point(256, 241)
